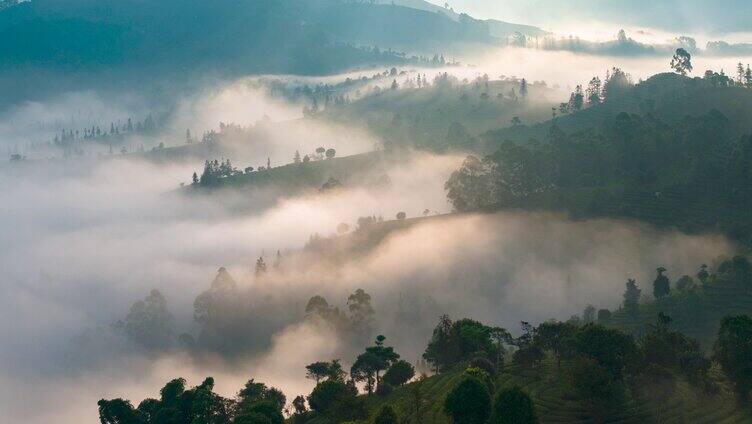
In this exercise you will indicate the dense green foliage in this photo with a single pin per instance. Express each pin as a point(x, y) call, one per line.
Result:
point(469, 402)
point(513, 406)
point(691, 174)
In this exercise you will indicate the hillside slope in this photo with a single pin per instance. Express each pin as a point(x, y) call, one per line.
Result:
point(667, 96)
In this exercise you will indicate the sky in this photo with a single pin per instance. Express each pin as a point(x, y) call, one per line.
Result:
point(692, 16)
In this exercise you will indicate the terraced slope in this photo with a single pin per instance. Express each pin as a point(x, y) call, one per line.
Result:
point(557, 403)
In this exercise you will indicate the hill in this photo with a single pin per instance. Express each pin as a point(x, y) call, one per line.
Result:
point(113, 44)
point(671, 151)
point(362, 169)
point(447, 114)
point(669, 97)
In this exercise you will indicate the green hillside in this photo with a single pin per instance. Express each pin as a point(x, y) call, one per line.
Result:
point(556, 404)
point(363, 169)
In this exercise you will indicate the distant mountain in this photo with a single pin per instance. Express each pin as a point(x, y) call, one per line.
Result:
point(48, 45)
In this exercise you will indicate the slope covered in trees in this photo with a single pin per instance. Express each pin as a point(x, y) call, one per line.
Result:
point(669, 97)
point(557, 372)
point(682, 161)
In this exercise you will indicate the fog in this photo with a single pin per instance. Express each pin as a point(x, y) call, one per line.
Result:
point(82, 239)
point(83, 245)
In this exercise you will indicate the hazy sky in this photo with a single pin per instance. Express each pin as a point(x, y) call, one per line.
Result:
point(704, 16)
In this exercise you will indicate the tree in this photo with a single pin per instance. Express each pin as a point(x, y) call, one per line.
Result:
point(604, 315)
point(556, 337)
point(364, 369)
point(395, 86)
point(632, 298)
point(748, 77)
point(681, 63)
point(401, 216)
point(118, 411)
point(469, 402)
point(194, 179)
point(523, 88)
point(661, 285)
point(576, 100)
point(399, 373)
point(588, 314)
point(361, 311)
point(386, 416)
point(733, 351)
point(685, 283)
point(263, 411)
point(149, 323)
point(318, 371)
point(593, 92)
point(368, 365)
point(472, 186)
point(330, 153)
point(299, 405)
point(703, 274)
point(296, 158)
point(260, 267)
point(327, 394)
point(596, 385)
point(254, 392)
point(453, 342)
point(513, 406)
point(740, 74)
point(611, 349)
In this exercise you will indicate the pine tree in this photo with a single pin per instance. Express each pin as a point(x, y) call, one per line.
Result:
point(296, 159)
point(523, 88)
point(593, 92)
point(748, 77)
point(740, 74)
point(632, 298)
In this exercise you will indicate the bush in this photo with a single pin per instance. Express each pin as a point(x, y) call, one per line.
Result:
point(468, 403)
point(513, 406)
point(386, 416)
point(483, 377)
point(483, 364)
point(399, 373)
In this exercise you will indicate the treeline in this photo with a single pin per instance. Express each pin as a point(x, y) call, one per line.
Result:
point(229, 321)
point(215, 170)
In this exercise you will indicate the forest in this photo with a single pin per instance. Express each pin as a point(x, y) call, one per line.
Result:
point(375, 211)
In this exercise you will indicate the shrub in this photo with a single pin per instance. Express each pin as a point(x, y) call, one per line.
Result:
point(468, 403)
point(513, 406)
point(386, 416)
